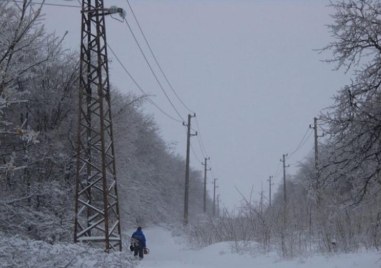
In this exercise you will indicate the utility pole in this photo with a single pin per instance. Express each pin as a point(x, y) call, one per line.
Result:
point(96, 198)
point(214, 196)
point(317, 184)
point(261, 199)
point(186, 195)
point(270, 185)
point(316, 143)
point(283, 160)
point(218, 205)
point(283, 233)
point(205, 164)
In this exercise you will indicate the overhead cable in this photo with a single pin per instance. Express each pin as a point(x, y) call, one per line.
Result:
point(200, 141)
point(302, 141)
point(152, 71)
point(140, 88)
point(155, 59)
point(277, 170)
point(194, 154)
point(41, 3)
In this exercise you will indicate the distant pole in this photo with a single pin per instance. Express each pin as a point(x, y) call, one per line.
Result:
point(283, 160)
point(270, 184)
point(317, 183)
point(316, 136)
point(186, 195)
point(214, 196)
point(283, 233)
point(205, 164)
point(218, 205)
point(261, 201)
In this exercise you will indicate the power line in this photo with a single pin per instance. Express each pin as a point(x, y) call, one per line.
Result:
point(213, 175)
point(148, 45)
point(200, 144)
point(194, 153)
point(277, 170)
point(202, 147)
point(302, 141)
point(200, 141)
point(140, 88)
point(125, 69)
point(155, 58)
point(150, 49)
point(42, 3)
point(137, 84)
point(152, 71)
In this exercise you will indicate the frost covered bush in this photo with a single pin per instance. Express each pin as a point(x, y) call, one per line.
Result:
point(17, 252)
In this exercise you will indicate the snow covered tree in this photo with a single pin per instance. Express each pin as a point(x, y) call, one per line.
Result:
point(354, 122)
point(36, 85)
point(20, 56)
point(38, 113)
point(150, 176)
point(351, 163)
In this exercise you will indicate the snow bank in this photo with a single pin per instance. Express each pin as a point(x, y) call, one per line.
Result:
point(167, 251)
point(17, 252)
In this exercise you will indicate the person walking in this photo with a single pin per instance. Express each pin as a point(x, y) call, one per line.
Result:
point(138, 242)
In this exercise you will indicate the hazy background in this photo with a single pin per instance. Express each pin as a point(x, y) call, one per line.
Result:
point(248, 69)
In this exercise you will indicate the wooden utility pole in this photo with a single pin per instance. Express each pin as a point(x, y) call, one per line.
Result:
point(317, 172)
point(214, 196)
point(218, 205)
point(186, 194)
point(318, 212)
point(283, 160)
point(270, 185)
point(205, 164)
point(261, 199)
point(283, 233)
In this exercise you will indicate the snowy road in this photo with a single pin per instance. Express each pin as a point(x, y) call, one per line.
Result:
point(170, 252)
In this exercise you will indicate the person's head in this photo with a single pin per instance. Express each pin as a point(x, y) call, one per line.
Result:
point(139, 228)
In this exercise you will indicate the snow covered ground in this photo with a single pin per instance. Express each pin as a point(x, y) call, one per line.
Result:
point(16, 252)
point(167, 251)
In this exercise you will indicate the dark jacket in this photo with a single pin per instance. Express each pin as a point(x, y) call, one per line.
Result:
point(138, 235)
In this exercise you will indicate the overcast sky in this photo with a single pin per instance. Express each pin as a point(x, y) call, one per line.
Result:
point(249, 70)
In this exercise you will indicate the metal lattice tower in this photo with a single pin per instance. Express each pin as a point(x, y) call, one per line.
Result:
point(97, 217)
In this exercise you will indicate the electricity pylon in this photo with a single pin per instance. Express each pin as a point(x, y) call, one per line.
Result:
point(96, 201)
